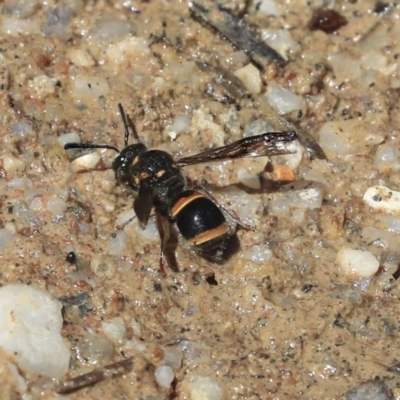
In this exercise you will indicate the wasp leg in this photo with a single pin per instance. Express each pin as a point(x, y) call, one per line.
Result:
point(205, 192)
point(169, 242)
point(120, 227)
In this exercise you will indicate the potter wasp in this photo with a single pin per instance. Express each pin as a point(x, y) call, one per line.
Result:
point(157, 178)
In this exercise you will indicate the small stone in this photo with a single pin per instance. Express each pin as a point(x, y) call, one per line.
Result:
point(115, 329)
point(86, 162)
point(200, 387)
point(308, 198)
point(94, 350)
point(250, 77)
point(173, 357)
point(248, 179)
point(383, 199)
point(164, 376)
point(43, 86)
point(283, 100)
point(13, 165)
point(81, 58)
point(357, 263)
point(69, 137)
point(258, 253)
point(31, 323)
point(370, 390)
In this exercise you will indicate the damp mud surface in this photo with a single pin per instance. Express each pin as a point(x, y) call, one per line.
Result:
point(307, 308)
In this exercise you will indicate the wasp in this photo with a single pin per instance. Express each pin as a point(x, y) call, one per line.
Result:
point(157, 178)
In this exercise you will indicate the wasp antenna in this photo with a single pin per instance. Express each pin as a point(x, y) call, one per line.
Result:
point(127, 124)
point(89, 146)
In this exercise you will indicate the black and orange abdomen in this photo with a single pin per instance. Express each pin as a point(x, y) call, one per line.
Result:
point(201, 223)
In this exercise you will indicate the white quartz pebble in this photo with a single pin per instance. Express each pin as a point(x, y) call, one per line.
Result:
point(383, 199)
point(250, 77)
point(203, 388)
point(284, 100)
point(250, 180)
point(86, 162)
point(12, 165)
point(115, 329)
point(69, 137)
point(164, 376)
point(357, 263)
point(309, 198)
point(31, 323)
point(259, 253)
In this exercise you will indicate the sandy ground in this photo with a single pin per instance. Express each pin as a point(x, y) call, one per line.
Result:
point(294, 314)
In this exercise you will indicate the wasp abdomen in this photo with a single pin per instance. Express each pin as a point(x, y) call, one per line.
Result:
point(198, 218)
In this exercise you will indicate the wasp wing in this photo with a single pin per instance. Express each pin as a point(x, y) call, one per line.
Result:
point(267, 144)
point(143, 203)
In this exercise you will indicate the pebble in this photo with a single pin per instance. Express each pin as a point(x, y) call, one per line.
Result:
point(19, 8)
point(56, 205)
point(86, 162)
point(6, 237)
point(110, 31)
point(309, 198)
point(283, 100)
point(387, 158)
point(31, 323)
point(42, 86)
point(392, 224)
point(164, 376)
point(81, 58)
point(282, 41)
point(250, 77)
point(344, 66)
point(15, 27)
point(57, 22)
point(194, 353)
point(244, 205)
point(259, 253)
point(94, 349)
point(382, 199)
point(21, 129)
point(180, 123)
point(173, 357)
point(201, 387)
point(257, 126)
point(114, 329)
point(118, 242)
point(292, 160)
point(379, 238)
point(69, 137)
point(370, 390)
point(357, 263)
point(12, 165)
point(268, 7)
point(347, 138)
point(128, 49)
point(248, 179)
